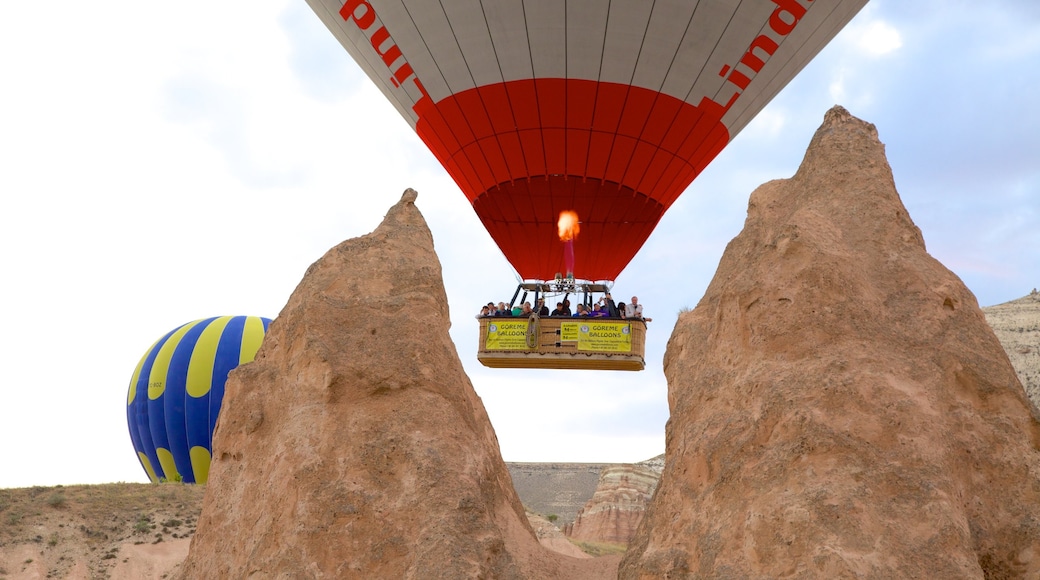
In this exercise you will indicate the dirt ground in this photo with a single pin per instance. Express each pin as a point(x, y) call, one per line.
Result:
point(122, 531)
point(116, 531)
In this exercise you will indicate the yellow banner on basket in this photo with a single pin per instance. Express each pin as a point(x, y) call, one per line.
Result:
point(569, 331)
point(507, 335)
point(605, 336)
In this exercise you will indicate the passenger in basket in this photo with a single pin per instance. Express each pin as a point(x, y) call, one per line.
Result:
point(543, 310)
point(635, 310)
point(501, 311)
point(609, 308)
point(559, 310)
point(579, 310)
point(621, 310)
point(484, 312)
point(526, 311)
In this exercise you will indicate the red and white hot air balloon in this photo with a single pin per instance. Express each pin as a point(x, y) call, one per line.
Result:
point(606, 108)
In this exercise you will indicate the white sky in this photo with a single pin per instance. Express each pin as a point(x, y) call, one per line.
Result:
point(161, 163)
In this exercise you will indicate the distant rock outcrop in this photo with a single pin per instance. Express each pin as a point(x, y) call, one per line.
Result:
point(1017, 326)
point(617, 506)
point(355, 446)
point(555, 489)
point(839, 407)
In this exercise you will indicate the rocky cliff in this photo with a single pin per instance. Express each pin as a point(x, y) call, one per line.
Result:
point(839, 407)
point(555, 489)
point(355, 446)
point(617, 507)
point(1017, 326)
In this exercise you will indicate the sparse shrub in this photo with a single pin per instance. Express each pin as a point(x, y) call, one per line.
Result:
point(552, 518)
point(142, 525)
point(56, 499)
point(172, 523)
point(53, 540)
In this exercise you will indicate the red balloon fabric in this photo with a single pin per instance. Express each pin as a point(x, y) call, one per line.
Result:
point(609, 109)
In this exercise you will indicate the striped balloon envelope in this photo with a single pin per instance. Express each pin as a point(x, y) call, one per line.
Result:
point(609, 108)
point(176, 392)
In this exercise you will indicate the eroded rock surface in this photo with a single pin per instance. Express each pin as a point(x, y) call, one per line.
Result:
point(616, 508)
point(355, 446)
point(839, 407)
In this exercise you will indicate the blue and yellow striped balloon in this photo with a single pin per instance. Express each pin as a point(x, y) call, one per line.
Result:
point(176, 391)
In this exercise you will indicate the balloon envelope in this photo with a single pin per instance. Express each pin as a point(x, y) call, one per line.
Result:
point(176, 392)
point(610, 109)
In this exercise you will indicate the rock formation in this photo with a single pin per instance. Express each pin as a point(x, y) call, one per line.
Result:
point(617, 506)
point(355, 446)
point(839, 407)
point(1017, 326)
point(555, 489)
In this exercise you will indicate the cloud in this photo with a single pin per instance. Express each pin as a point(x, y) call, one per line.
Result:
point(877, 38)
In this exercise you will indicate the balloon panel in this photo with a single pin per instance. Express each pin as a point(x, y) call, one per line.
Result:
point(175, 393)
point(521, 97)
point(619, 164)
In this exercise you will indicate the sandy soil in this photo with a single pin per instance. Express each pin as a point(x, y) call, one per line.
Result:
point(123, 531)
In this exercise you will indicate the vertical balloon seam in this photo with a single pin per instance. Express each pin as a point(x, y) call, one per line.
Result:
point(162, 360)
point(156, 413)
point(491, 112)
point(175, 399)
point(511, 174)
point(619, 146)
point(199, 391)
point(203, 358)
point(140, 436)
point(675, 55)
point(448, 159)
point(479, 121)
point(201, 416)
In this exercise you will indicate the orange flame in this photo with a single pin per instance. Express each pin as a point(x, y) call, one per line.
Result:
point(568, 225)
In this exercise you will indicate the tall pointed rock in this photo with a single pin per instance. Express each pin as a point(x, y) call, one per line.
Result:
point(839, 407)
point(355, 446)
